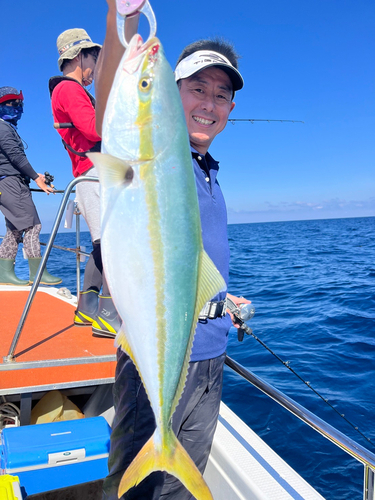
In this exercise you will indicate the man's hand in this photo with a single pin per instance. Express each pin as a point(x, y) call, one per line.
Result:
point(112, 5)
point(238, 301)
point(109, 59)
point(40, 181)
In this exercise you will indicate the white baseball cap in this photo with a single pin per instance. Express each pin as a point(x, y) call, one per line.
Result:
point(202, 59)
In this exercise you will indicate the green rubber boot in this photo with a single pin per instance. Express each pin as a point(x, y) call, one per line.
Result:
point(87, 308)
point(7, 274)
point(107, 321)
point(47, 278)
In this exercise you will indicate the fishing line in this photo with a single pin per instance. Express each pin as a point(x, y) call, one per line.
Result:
point(244, 312)
point(252, 120)
point(287, 365)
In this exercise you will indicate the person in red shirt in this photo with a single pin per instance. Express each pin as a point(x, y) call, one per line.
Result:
point(72, 103)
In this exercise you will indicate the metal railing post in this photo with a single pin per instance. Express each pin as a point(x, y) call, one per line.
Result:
point(10, 357)
point(78, 248)
point(369, 484)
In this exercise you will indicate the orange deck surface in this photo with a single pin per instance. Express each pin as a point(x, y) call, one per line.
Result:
point(49, 333)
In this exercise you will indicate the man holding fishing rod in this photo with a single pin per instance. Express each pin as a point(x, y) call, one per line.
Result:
point(16, 204)
point(207, 77)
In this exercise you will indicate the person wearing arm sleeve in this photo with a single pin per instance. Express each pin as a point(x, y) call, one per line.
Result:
point(16, 203)
point(14, 160)
point(72, 103)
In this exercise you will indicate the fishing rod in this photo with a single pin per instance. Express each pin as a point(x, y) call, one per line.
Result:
point(244, 313)
point(252, 120)
point(58, 247)
point(49, 178)
point(56, 191)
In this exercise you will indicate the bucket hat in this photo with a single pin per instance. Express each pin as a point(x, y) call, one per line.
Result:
point(71, 42)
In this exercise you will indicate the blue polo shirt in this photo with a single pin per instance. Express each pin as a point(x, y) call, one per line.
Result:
point(211, 335)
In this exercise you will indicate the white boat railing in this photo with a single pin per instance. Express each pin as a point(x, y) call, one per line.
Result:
point(366, 457)
point(10, 357)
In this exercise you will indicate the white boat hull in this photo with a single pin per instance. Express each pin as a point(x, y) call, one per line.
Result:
point(243, 467)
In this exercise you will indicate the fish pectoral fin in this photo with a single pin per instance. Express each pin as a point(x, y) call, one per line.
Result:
point(172, 458)
point(210, 282)
point(112, 170)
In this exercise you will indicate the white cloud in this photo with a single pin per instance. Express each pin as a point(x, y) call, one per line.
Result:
point(301, 210)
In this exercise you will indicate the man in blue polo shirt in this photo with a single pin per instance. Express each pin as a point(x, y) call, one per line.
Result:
point(207, 76)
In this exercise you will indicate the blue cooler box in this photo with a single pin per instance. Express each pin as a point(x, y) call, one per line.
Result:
point(51, 456)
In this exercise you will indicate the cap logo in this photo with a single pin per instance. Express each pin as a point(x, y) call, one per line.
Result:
point(66, 47)
point(211, 58)
point(201, 59)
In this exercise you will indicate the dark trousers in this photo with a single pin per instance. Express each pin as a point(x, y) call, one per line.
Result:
point(194, 423)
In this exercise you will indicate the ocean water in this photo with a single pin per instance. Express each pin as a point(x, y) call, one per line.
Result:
point(313, 286)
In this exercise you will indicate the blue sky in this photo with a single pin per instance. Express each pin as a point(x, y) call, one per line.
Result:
point(310, 60)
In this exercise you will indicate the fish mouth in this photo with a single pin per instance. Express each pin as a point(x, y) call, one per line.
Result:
point(151, 41)
point(138, 51)
point(203, 121)
point(141, 47)
point(152, 47)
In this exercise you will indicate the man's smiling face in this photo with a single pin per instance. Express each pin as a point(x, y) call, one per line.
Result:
point(207, 101)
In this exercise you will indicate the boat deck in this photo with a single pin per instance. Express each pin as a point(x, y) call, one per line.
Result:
point(51, 353)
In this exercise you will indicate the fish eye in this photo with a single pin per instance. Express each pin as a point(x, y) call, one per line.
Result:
point(145, 84)
point(129, 174)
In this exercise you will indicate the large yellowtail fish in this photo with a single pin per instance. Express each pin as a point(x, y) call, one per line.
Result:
point(157, 270)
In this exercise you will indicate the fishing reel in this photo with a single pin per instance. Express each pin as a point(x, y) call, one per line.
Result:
point(241, 314)
point(49, 179)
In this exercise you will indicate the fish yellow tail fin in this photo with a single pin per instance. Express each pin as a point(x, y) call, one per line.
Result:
point(172, 458)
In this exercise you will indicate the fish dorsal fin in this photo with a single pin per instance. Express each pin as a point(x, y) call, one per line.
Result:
point(112, 171)
point(210, 283)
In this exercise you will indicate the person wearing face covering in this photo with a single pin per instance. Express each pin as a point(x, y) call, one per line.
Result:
point(73, 103)
point(16, 203)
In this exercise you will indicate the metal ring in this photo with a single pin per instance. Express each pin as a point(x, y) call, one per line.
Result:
point(120, 21)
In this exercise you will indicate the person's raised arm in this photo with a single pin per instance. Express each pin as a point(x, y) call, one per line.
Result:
point(109, 59)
